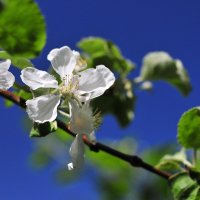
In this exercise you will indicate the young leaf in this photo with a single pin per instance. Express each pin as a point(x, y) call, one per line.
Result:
point(174, 162)
point(161, 66)
point(41, 130)
point(184, 188)
point(93, 45)
point(105, 52)
point(22, 28)
point(189, 129)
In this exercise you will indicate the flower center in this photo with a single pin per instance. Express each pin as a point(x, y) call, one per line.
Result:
point(69, 85)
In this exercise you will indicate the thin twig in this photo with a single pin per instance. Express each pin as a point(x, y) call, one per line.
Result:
point(134, 160)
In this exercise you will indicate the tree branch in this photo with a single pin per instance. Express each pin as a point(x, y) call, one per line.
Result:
point(134, 160)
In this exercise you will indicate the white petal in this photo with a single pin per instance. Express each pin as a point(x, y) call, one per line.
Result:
point(94, 82)
point(35, 78)
point(80, 63)
point(81, 119)
point(63, 60)
point(6, 80)
point(76, 54)
point(77, 153)
point(43, 108)
point(5, 65)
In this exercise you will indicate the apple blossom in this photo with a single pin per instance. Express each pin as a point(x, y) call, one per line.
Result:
point(7, 79)
point(82, 86)
point(77, 88)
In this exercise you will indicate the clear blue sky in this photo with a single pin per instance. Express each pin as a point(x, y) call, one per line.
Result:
point(137, 27)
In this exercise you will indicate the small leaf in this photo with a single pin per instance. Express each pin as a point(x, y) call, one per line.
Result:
point(41, 130)
point(93, 45)
point(174, 162)
point(161, 66)
point(101, 51)
point(189, 129)
point(22, 28)
point(18, 62)
point(183, 187)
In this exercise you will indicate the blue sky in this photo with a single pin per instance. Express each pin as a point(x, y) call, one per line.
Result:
point(137, 27)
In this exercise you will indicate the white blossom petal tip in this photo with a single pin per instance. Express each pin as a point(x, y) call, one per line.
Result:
point(94, 82)
point(5, 65)
point(63, 60)
point(77, 153)
point(35, 78)
point(43, 108)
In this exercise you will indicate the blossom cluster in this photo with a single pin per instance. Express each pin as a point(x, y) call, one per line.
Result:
point(75, 86)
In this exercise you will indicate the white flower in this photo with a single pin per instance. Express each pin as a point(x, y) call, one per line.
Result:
point(77, 88)
point(85, 85)
point(6, 78)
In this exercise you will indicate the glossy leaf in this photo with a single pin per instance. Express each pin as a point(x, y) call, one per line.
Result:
point(189, 129)
point(22, 28)
point(161, 66)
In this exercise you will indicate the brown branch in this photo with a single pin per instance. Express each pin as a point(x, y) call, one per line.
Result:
point(134, 160)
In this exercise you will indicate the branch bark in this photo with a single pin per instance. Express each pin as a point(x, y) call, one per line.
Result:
point(134, 160)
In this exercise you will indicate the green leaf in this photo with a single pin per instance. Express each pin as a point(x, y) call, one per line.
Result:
point(173, 162)
point(161, 66)
point(41, 130)
point(93, 45)
point(189, 129)
point(183, 187)
point(101, 51)
point(18, 62)
point(22, 28)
